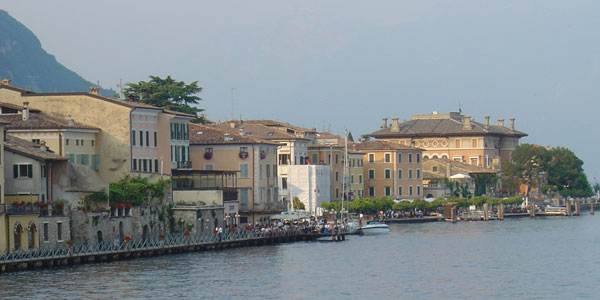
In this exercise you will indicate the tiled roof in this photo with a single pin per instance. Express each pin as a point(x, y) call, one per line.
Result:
point(29, 149)
point(17, 107)
point(40, 121)
point(439, 125)
point(207, 135)
point(380, 145)
point(256, 131)
point(272, 123)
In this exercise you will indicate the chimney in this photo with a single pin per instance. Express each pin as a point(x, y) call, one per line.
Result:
point(25, 111)
point(71, 121)
point(5, 81)
point(501, 122)
point(467, 123)
point(512, 123)
point(395, 127)
point(94, 90)
point(383, 122)
point(487, 122)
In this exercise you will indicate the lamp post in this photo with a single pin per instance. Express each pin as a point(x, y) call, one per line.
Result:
point(227, 217)
point(237, 218)
point(182, 224)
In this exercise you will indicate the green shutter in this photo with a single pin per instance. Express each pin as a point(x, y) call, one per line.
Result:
point(15, 171)
point(30, 171)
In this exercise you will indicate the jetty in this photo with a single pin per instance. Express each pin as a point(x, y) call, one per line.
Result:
point(49, 257)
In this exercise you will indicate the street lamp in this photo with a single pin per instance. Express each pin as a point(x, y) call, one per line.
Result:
point(182, 223)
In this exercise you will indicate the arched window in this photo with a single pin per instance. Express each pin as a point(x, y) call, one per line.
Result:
point(31, 233)
point(17, 235)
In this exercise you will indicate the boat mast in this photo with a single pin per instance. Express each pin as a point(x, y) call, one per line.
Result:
point(344, 176)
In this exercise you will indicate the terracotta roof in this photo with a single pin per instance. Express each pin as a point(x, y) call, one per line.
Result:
point(178, 113)
point(443, 125)
point(29, 149)
point(207, 135)
point(40, 121)
point(17, 107)
point(380, 145)
point(272, 123)
point(257, 131)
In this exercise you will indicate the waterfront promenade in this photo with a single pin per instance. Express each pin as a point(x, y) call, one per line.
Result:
point(47, 257)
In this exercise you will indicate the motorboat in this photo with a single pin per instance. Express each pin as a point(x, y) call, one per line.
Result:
point(555, 210)
point(352, 227)
point(375, 227)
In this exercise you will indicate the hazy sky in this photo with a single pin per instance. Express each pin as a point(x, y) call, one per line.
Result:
point(345, 64)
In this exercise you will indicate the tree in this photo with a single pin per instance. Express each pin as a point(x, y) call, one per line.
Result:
point(166, 93)
point(566, 175)
point(526, 163)
point(298, 204)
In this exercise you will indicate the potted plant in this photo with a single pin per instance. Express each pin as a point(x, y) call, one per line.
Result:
point(208, 155)
point(243, 155)
point(263, 154)
point(69, 244)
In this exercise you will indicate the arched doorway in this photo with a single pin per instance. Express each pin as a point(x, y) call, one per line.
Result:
point(145, 232)
point(18, 229)
point(99, 237)
point(31, 233)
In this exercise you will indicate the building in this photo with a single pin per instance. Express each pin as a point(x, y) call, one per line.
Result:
point(256, 161)
point(438, 174)
point(77, 142)
point(391, 169)
point(27, 193)
point(132, 138)
point(454, 136)
point(310, 184)
point(301, 132)
point(291, 150)
point(356, 179)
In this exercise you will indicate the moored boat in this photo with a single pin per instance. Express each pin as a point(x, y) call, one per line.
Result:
point(374, 227)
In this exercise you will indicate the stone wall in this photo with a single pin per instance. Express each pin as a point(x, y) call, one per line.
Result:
point(52, 230)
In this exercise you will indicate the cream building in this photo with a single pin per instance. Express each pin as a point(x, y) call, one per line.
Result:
point(356, 179)
point(156, 138)
point(256, 161)
point(454, 136)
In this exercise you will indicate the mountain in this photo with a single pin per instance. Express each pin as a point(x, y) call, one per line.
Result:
point(28, 66)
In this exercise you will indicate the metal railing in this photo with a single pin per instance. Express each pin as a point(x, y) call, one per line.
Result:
point(28, 209)
point(152, 243)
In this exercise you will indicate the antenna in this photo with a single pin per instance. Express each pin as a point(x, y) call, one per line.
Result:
point(459, 107)
point(120, 85)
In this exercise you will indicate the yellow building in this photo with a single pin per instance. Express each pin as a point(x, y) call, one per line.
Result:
point(256, 161)
point(454, 136)
point(133, 137)
point(27, 185)
point(391, 170)
point(355, 167)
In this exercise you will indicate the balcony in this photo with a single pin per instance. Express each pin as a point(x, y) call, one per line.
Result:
point(11, 209)
point(230, 194)
point(181, 165)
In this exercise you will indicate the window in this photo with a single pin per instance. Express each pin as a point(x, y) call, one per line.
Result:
point(400, 191)
point(43, 171)
point(388, 191)
point(76, 142)
point(418, 173)
point(244, 197)
point(67, 142)
point(315, 158)
point(410, 174)
point(399, 157)
point(156, 165)
point(360, 163)
point(284, 182)
point(388, 157)
point(208, 167)
point(259, 171)
point(141, 138)
point(45, 231)
point(147, 138)
point(155, 139)
point(96, 162)
point(337, 192)
point(418, 190)
point(145, 165)
point(82, 142)
point(150, 165)
point(410, 157)
point(36, 141)
point(23, 171)
point(337, 175)
point(372, 191)
point(208, 150)
point(388, 173)
point(83, 159)
point(410, 190)
point(418, 157)
point(243, 170)
point(400, 174)
point(336, 158)
point(92, 143)
point(244, 149)
point(274, 170)
point(371, 174)
point(371, 157)
point(134, 164)
point(352, 178)
point(360, 180)
point(434, 169)
point(59, 236)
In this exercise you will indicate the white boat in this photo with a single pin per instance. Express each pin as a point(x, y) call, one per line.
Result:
point(556, 210)
point(352, 227)
point(374, 227)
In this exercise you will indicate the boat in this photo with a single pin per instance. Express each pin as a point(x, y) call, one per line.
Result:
point(374, 227)
point(555, 210)
point(352, 227)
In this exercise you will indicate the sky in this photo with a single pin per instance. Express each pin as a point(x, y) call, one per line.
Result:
point(343, 65)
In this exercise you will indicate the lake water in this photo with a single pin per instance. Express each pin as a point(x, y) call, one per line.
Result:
point(545, 258)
